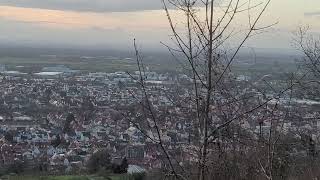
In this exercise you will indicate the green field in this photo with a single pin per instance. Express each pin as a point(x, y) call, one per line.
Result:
point(30, 65)
point(36, 64)
point(92, 65)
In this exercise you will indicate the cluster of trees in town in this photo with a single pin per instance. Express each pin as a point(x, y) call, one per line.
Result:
point(101, 161)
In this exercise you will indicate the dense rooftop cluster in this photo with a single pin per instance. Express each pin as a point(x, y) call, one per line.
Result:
point(56, 121)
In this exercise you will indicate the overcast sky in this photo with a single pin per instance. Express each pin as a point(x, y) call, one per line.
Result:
point(114, 23)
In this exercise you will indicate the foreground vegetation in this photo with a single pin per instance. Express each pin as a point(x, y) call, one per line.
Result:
point(72, 177)
point(46, 178)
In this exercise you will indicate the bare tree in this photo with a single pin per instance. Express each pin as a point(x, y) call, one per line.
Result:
point(309, 45)
point(217, 105)
point(202, 44)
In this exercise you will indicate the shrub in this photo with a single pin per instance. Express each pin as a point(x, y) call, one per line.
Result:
point(137, 176)
point(99, 160)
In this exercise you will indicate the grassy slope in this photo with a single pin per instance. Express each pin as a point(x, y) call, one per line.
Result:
point(47, 178)
point(113, 177)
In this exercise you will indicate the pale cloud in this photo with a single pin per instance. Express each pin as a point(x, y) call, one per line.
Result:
point(92, 5)
point(116, 29)
point(87, 5)
point(69, 19)
point(314, 13)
